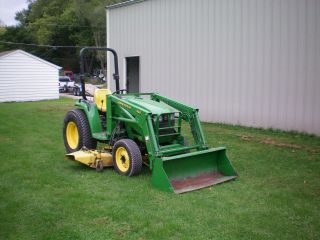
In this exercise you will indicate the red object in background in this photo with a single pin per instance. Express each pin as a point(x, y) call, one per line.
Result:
point(69, 74)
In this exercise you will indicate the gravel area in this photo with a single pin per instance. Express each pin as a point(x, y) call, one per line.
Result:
point(89, 88)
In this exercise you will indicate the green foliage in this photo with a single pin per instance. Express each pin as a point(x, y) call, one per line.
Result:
point(2, 31)
point(43, 196)
point(60, 23)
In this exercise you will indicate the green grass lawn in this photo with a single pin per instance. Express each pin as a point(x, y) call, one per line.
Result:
point(43, 196)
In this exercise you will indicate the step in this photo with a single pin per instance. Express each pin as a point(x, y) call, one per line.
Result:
point(100, 136)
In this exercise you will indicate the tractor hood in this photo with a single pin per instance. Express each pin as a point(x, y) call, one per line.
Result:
point(152, 106)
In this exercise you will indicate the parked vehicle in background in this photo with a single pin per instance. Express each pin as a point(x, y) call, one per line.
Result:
point(77, 90)
point(69, 74)
point(65, 84)
point(99, 74)
point(76, 78)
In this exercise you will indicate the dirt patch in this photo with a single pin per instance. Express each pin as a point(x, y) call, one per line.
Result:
point(69, 95)
point(102, 220)
point(4, 138)
point(270, 141)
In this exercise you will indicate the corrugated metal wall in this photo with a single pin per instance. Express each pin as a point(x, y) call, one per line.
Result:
point(248, 62)
point(24, 78)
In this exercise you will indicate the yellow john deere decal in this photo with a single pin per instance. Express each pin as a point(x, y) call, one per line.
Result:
point(124, 105)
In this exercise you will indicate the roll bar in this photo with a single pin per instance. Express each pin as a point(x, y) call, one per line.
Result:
point(116, 68)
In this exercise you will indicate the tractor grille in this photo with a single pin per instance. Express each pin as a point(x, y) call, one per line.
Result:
point(168, 125)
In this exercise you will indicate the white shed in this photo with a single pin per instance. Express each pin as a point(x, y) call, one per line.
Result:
point(247, 62)
point(25, 77)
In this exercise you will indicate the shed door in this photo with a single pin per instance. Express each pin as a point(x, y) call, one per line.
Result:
point(133, 74)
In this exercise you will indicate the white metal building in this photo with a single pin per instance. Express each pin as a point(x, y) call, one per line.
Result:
point(25, 77)
point(248, 62)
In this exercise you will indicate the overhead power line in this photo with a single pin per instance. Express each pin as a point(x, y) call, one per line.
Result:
point(64, 25)
point(41, 45)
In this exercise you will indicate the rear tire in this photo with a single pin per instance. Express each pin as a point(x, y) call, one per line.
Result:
point(76, 132)
point(126, 156)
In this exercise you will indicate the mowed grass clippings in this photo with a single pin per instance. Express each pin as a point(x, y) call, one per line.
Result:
point(43, 196)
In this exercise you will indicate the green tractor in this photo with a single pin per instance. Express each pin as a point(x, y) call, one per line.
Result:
point(143, 128)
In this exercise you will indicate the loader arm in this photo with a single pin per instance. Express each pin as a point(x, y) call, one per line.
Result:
point(190, 115)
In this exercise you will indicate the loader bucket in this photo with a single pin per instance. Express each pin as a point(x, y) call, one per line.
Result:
point(191, 171)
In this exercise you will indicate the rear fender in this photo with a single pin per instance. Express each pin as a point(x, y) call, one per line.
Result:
point(91, 111)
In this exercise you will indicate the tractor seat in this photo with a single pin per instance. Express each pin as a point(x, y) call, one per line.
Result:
point(100, 98)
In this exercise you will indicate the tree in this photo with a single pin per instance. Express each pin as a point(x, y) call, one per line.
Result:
point(2, 28)
point(94, 12)
point(60, 23)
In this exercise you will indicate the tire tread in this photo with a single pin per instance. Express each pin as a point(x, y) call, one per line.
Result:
point(134, 154)
point(85, 138)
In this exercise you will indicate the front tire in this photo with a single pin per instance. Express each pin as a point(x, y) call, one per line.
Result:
point(76, 132)
point(127, 159)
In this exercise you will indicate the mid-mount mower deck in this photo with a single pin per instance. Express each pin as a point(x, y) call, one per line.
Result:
point(139, 128)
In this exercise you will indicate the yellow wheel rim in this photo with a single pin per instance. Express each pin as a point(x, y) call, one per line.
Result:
point(122, 159)
point(72, 135)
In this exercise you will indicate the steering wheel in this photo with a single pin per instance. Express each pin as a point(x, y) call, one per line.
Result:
point(121, 91)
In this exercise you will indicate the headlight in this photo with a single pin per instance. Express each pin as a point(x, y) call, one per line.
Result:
point(164, 117)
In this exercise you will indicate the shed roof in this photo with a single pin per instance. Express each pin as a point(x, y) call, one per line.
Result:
point(124, 4)
point(8, 53)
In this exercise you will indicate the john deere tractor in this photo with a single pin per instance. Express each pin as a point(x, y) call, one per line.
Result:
point(143, 128)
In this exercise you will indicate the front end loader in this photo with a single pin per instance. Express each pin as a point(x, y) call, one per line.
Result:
point(143, 128)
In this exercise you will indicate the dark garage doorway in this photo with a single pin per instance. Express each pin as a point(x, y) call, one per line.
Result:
point(133, 74)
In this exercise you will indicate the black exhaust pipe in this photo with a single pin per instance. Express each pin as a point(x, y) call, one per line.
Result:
point(116, 68)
